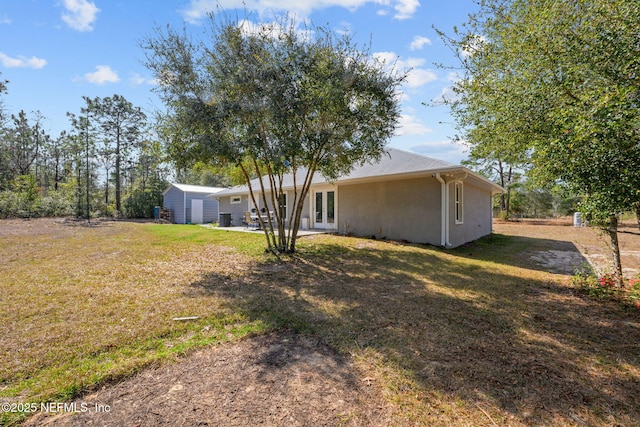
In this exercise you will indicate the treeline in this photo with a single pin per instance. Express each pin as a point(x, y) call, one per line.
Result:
point(108, 163)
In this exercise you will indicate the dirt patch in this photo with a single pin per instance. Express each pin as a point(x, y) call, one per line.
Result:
point(571, 247)
point(271, 380)
point(559, 262)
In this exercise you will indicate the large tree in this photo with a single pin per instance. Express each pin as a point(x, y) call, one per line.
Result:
point(122, 125)
point(272, 100)
point(24, 142)
point(83, 147)
point(563, 79)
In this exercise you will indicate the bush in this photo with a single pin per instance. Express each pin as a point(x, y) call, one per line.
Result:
point(604, 288)
point(9, 204)
point(596, 287)
point(55, 204)
point(634, 291)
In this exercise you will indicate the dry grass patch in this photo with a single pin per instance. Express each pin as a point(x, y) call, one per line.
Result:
point(479, 335)
point(84, 304)
point(473, 336)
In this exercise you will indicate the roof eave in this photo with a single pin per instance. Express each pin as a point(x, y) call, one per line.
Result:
point(495, 188)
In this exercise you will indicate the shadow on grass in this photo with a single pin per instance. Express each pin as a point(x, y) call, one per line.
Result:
point(554, 256)
point(456, 328)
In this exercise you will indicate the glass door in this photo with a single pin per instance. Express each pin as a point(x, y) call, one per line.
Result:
point(324, 208)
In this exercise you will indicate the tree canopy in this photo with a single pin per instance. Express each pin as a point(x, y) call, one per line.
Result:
point(558, 82)
point(271, 100)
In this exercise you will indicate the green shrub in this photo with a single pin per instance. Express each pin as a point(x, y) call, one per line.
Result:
point(9, 204)
point(634, 291)
point(596, 287)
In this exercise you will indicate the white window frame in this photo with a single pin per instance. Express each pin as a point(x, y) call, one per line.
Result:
point(458, 204)
point(236, 200)
point(312, 207)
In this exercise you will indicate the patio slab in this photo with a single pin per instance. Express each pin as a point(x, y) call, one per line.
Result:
point(244, 229)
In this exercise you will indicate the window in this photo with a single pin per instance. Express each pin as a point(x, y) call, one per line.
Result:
point(236, 200)
point(331, 207)
point(458, 203)
point(319, 209)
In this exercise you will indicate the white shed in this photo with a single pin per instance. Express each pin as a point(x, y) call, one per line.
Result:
point(189, 204)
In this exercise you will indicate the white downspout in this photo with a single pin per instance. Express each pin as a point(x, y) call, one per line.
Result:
point(444, 217)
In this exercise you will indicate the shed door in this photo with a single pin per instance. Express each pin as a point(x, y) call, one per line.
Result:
point(196, 211)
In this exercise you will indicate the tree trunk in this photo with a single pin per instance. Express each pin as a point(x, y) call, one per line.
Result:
point(87, 176)
point(503, 197)
point(508, 206)
point(106, 191)
point(118, 173)
point(638, 213)
point(615, 249)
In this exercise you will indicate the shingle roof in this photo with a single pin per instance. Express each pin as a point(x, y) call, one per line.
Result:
point(394, 162)
point(397, 162)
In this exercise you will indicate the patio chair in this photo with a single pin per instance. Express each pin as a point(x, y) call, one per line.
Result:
point(250, 221)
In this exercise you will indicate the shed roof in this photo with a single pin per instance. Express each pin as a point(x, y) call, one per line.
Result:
point(199, 189)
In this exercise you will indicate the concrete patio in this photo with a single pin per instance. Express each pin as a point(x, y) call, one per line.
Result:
point(244, 229)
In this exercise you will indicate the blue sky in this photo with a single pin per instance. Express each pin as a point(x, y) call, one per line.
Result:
point(53, 52)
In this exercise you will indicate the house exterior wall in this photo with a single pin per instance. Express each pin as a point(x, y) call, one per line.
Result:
point(403, 209)
point(174, 199)
point(407, 209)
point(236, 210)
point(209, 207)
point(306, 206)
point(477, 216)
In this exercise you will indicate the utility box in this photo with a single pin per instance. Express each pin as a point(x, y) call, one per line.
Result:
point(577, 219)
point(224, 220)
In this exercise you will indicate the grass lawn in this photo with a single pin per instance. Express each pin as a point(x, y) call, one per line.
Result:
point(472, 336)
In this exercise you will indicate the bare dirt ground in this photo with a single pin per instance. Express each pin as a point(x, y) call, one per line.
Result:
point(582, 245)
point(276, 379)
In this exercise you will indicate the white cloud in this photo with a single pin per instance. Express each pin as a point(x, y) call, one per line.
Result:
point(416, 76)
point(137, 80)
point(80, 15)
point(419, 42)
point(411, 125)
point(198, 9)
point(419, 77)
point(406, 8)
point(446, 95)
point(344, 29)
point(22, 62)
point(449, 151)
point(4, 19)
point(103, 74)
point(453, 76)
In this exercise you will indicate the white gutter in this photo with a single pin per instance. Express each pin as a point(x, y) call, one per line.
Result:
point(444, 216)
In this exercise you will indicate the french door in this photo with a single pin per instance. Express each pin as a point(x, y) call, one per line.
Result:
point(324, 209)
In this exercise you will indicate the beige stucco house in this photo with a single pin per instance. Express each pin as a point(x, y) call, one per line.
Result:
point(405, 196)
